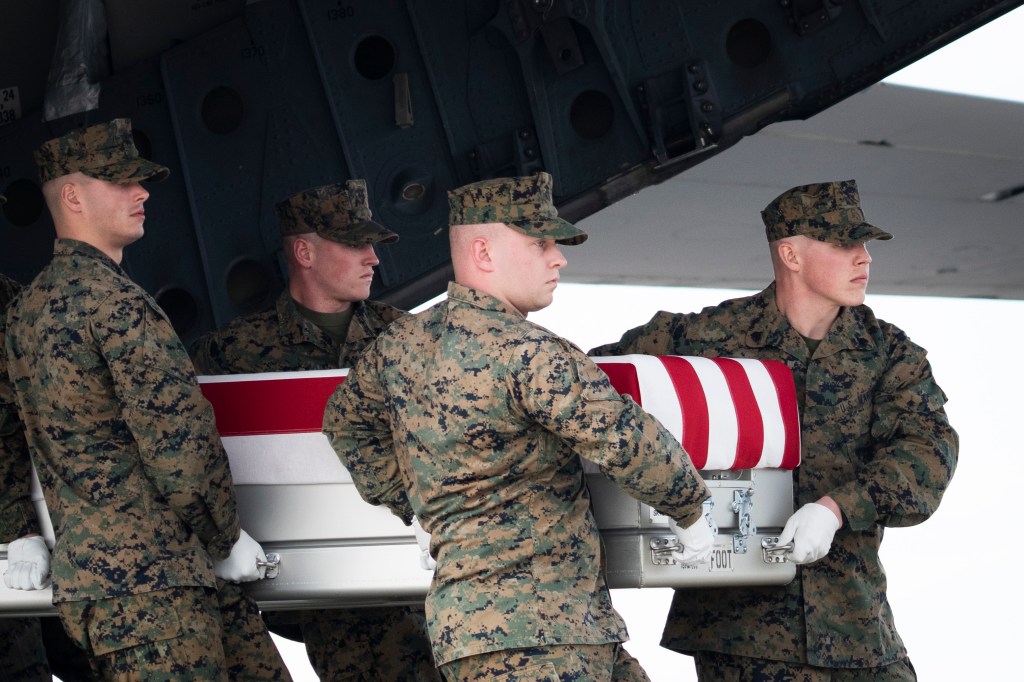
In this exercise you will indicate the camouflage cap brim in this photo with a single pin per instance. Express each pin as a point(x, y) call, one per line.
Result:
point(865, 232)
point(358, 234)
point(135, 170)
point(834, 233)
point(562, 231)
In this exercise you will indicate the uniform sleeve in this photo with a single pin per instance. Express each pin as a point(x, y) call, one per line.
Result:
point(561, 389)
point(914, 447)
point(17, 513)
point(172, 423)
point(357, 425)
point(656, 337)
point(207, 356)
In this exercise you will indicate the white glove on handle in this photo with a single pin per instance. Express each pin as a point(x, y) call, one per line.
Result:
point(697, 541)
point(810, 529)
point(427, 562)
point(28, 564)
point(241, 566)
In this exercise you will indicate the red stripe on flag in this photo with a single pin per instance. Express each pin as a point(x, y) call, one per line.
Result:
point(248, 408)
point(782, 377)
point(694, 407)
point(623, 378)
point(749, 422)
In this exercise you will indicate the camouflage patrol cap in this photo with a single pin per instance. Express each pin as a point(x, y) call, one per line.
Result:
point(826, 211)
point(524, 204)
point(105, 151)
point(339, 212)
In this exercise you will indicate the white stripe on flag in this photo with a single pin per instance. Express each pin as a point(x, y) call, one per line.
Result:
point(723, 431)
point(658, 393)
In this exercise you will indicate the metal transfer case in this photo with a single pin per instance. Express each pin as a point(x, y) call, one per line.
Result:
point(329, 548)
point(738, 420)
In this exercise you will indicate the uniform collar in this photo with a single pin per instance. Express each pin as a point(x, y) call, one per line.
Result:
point(67, 247)
point(851, 330)
point(295, 328)
point(73, 247)
point(480, 299)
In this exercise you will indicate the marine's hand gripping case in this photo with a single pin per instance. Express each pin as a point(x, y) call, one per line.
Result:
point(736, 418)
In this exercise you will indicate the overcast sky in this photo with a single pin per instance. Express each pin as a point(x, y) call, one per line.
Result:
point(985, 63)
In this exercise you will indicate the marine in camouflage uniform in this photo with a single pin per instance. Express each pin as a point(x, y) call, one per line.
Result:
point(385, 644)
point(475, 420)
point(875, 439)
point(22, 656)
point(134, 475)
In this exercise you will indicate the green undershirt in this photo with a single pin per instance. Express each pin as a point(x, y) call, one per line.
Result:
point(335, 325)
point(812, 344)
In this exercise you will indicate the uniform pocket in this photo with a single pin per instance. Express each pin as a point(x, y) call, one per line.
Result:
point(594, 383)
point(125, 622)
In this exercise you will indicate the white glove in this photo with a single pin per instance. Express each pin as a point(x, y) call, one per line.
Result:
point(28, 564)
point(810, 529)
point(427, 562)
point(696, 540)
point(241, 565)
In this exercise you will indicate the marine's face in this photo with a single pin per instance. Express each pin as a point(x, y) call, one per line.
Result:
point(837, 273)
point(530, 268)
point(114, 211)
point(343, 273)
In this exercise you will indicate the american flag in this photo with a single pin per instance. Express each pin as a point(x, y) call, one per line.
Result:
point(728, 414)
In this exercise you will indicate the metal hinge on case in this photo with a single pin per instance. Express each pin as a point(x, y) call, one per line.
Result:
point(742, 504)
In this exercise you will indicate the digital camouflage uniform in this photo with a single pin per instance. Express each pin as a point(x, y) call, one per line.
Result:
point(475, 420)
point(132, 469)
point(22, 654)
point(384, 644)
point(875, 438)
point(484, 417)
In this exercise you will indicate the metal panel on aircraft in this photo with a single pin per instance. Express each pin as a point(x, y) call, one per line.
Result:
point(421, 97)
point(216, 88)
point(383, 103)
point(25, 224)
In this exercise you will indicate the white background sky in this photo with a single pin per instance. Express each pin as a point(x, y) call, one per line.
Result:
point(954, 581)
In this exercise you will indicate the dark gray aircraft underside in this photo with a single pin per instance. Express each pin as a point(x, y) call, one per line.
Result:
point(248, 103)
